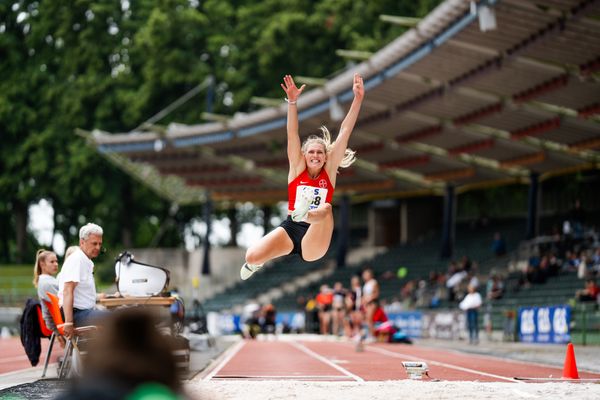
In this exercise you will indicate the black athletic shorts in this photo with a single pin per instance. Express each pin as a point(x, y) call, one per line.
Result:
point(296, 231)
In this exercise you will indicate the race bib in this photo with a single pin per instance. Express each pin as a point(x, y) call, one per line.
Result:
point(320, 194)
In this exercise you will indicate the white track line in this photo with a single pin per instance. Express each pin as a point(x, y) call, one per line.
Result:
point(319, 357)
point(496, 358)
point(232, 352)
point(292, 377)
point(441, 364)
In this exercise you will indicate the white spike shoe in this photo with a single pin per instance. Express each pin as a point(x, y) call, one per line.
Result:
point(248, 270)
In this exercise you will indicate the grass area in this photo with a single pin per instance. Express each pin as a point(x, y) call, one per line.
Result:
point(16, 284)
point(16, 276)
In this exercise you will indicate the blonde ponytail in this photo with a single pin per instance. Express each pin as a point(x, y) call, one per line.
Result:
point(37, 269)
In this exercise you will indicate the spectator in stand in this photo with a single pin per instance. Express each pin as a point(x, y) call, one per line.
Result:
point(542, 271)
point(433, 278)
point(526, 275)
point(572, 261)
point(589, 293)
point(407, 293)
point(300, 302)
point(471, 277)
point(495, 287)
point(421, 298)
point(465, 264)
point(596, 256)
point(595, 261)
point(577, 219)
point(455, 277)
point(338, 311)
point(557, 246)
point(470, 304)
point(554, 264)
point(394, 307)
point(388, 275)
point(567, 233)
point(324, 300)
point(498, 245)
point(584, 269)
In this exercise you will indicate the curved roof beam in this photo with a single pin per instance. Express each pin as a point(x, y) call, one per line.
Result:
point(501, 101)
point(578, 72)
point(399, 174)
point(437, 29)
point(171, 187)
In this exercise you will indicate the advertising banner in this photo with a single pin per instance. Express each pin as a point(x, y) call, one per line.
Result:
point(410, 323)
point(545, 324)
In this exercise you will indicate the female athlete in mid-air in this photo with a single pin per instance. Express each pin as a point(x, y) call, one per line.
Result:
point(311, 181)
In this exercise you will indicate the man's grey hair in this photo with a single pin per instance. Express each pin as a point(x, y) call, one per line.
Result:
point(90, 229)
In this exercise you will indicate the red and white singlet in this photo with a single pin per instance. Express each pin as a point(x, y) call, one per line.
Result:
point(321, 185)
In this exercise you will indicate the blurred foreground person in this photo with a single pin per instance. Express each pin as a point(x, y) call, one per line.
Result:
point(129, 359)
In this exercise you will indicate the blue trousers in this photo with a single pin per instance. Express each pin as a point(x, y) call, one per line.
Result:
point(472, 325)
point(88, 316)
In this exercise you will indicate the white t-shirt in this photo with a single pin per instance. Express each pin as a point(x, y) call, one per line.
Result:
point(471, 300)
point(78, 268)
point(369, 287)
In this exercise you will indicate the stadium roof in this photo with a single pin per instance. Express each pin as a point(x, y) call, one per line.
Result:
point(448, 102)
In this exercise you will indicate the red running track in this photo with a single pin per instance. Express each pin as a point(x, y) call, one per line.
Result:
point(339, 361)
point(13, 357)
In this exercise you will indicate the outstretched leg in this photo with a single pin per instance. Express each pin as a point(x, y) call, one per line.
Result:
point(318, 236)
point(275, 244)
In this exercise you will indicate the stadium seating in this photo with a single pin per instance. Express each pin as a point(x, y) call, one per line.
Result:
point(272, 276)
point(418, 259)
point(421, 258)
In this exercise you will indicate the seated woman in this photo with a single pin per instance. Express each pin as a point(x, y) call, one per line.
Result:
point(46, 267)
point(590, 292)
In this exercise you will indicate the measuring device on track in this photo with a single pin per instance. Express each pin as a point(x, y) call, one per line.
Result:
point(416, 369)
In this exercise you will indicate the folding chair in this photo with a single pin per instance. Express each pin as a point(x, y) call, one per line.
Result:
point(68, 358)
point(47, 333)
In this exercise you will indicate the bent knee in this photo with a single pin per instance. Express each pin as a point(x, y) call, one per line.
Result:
point(327, 207)
point(312, 256)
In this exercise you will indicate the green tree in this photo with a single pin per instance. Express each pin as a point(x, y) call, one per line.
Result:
point(111, 65)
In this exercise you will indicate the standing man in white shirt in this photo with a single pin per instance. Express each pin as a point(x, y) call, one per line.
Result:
point(470, 304)
point(76, 286)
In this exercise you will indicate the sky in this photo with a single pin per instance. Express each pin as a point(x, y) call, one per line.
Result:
point(41, 225)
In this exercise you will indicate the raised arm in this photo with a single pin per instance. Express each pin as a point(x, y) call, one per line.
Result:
point(294, 150)
point(341, 142)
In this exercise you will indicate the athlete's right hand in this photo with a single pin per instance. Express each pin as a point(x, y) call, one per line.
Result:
point(290, 89)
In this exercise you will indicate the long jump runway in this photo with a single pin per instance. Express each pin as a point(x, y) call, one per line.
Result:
point(339, 361)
